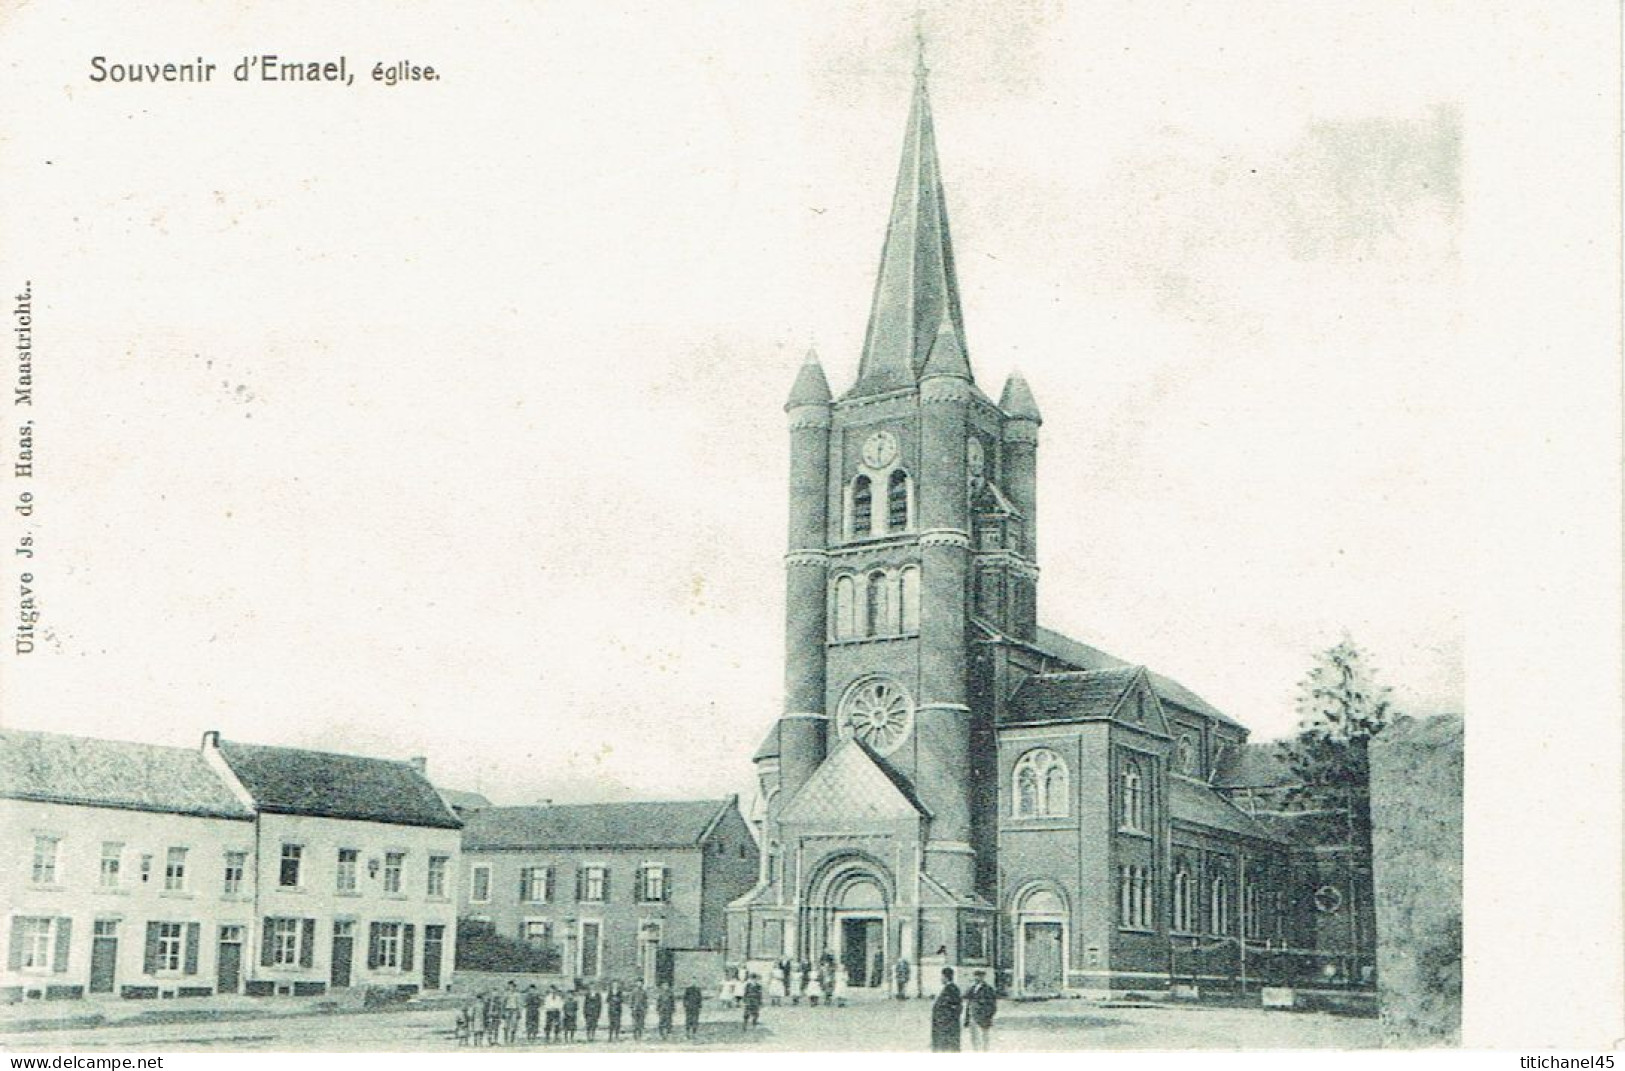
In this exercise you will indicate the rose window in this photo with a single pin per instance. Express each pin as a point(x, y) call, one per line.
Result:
point(877, 712)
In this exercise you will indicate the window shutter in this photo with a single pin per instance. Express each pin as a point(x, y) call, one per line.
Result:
point(606, 885)
point(408, 938)
point(149, 964)
point(64, 941)
point(372, 947)
point(524, 884)
point(266, 943)
point(307, 942)
point(581, 878)
point(14, 959)
point(547, 884)
point(193, 938)
point(665, 883)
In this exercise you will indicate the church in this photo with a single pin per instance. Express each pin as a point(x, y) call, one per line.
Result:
point(951, 784)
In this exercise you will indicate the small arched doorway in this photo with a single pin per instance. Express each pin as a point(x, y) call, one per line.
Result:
point(1041, 941)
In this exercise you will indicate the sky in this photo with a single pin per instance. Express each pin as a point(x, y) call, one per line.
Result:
point(445, 419)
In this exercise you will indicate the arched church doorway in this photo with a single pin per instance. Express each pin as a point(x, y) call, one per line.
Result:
point(1041, 941)
point(853, 898)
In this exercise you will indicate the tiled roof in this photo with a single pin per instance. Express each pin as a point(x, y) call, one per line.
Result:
point(1252, 766)
point(853, 784)
point(54, 768)
point(458, 800)
point(1196, 804)
point(1069, 696)
point(770, 745)
point(1083, 656)
point(285, 780)
point(673, 824)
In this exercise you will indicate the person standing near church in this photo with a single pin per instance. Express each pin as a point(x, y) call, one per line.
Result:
point(981, 1003)
point(753, 1002)
point(902, 971)
point(945, 1015)
point(640, 1010)
point(592, 1008)
point(533, 1012)
point(692, 997)
point(616, 1003)
point(665, 1007)
point(552, 1015)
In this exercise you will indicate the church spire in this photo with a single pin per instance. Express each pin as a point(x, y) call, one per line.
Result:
point(916, 291)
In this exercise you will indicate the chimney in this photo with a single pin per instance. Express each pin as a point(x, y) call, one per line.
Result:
point(211, 740)
point(419, 763)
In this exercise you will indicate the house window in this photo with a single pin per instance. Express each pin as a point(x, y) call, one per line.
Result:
point(1133, 796)
point(349, 862)
point(292, 856)
point(171, 943)
point(654, 883)
point(594, 884)
point(1134, 897)
point(897, 501)
point(394, 865)
point(538, 932)
point(435, 884)
point(1040, 785)
point(536, 884)
point(112, 860)
point(386, 946)
point(175, 870)
point(32, 940)
point(46, 850)
point(479, 884)
point(282, 939)
point(1219, 905)
point(911, 598)
point(974, 941)
point(236, 863)
point(1184, 913)
point(863, 506)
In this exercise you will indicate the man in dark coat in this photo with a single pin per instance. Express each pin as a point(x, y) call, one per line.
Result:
point(617, 1002)
point(533, 1012)
point(691, 1009)
point(592, 1007)
point(981, 1002)
point(572, 1005)
point(945, 1015)
point(753, 1001)
point(640, 1010)
point(665, 1005)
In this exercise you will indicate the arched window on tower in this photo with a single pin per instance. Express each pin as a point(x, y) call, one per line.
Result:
point(911, 598)
point(1133, 796)
point(863, 508)
point(1039, 788)
point(846, 608)
point(897, 501)
point(878, 606)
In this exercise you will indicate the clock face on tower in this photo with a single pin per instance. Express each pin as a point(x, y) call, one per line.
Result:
point(880, 449)
point(878, 712)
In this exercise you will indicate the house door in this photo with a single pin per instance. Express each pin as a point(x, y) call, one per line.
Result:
point(649, 952)
point(229, 960)
point(104, 956)
point(861, 945)
point(434, 946)
point(1041, 964)
point(343, 954)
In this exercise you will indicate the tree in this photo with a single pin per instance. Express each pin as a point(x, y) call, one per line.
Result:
point(1341, 706)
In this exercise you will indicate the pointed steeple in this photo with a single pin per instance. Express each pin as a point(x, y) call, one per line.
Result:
point(916, 290)
point(1017, 400)
point(811, 388)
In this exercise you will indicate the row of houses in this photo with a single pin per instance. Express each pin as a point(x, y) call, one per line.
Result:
point(150, 872)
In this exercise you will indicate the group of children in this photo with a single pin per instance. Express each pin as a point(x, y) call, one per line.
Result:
point(497, 1017)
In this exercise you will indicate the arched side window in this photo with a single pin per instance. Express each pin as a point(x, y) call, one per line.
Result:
point(1184, 913)
point(863, 508)
point(897, 501)
point(879, 608)
point(1219, 905)
point(1133, 796)
point(911, 598)
point(1039, 785)
point(846, 608)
